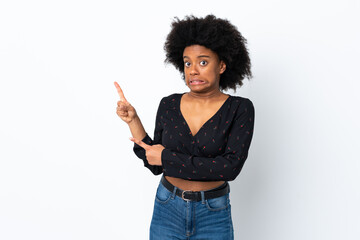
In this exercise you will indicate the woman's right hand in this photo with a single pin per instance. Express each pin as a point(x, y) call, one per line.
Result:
point(124, 109)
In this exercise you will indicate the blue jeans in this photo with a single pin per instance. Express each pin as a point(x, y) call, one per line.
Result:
point(175, 218)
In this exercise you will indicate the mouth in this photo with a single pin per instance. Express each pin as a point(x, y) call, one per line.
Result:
point(196, 82)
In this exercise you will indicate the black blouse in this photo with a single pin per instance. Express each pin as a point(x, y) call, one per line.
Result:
point(216, 152)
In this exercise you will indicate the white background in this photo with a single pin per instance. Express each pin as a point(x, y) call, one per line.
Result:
point(67, 168)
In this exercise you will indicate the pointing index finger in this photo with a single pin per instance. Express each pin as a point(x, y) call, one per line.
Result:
point(120, 92)
point(140, 143)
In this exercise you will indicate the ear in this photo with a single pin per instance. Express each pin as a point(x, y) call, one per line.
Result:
point(222, 66)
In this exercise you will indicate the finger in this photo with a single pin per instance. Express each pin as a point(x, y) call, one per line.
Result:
point(122, 113)
point(120, 92)
point(123, 105)
point(140, 143)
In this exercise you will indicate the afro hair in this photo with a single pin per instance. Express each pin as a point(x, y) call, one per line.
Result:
point(217, 34)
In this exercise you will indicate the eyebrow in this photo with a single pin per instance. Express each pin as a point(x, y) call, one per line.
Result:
point(200, 56)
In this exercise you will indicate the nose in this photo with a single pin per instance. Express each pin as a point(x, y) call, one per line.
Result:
point(193, 70)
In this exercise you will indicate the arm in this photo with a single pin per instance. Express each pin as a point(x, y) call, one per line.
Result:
point(141, 153)
point(136, 128)
point(128, 114)
point(226, 166)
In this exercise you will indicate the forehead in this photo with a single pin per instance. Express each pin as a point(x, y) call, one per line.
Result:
point(197, 50)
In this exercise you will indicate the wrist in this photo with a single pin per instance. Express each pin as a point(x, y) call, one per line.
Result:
point(134, 121)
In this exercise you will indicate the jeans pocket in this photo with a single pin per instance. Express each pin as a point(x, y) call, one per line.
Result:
point(162, 194)
point(217, 204)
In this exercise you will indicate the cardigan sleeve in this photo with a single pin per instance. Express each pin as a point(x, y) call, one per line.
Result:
point(226, 166)
point(141, 153)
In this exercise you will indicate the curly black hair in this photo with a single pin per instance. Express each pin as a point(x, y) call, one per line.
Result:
point(217, 34)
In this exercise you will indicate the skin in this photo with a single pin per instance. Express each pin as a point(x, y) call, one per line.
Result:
point(197, 106)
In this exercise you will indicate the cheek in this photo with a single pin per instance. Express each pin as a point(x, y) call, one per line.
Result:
point(212, 73)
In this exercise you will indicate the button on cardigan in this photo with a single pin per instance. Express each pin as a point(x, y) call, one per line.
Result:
point(216, 152)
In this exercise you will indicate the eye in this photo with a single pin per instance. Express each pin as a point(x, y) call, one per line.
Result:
point(187, 64)
point(203, 63)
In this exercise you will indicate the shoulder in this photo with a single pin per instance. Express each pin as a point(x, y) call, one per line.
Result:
point(243, 105)
point(242, 101)
point(172, 97)
point(170, 100)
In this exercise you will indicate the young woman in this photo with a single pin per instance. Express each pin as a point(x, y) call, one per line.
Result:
point(201, 137)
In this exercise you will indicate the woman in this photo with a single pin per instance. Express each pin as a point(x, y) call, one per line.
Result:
point(201, 137)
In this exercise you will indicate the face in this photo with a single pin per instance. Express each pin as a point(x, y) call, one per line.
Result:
point(202, 68)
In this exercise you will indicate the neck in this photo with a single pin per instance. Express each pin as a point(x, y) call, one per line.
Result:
point(205, 95)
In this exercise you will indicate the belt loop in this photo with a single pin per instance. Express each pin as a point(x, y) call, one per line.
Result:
point(202, 197)
point(173, 193)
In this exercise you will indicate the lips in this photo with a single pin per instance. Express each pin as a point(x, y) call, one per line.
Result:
point(196, 81)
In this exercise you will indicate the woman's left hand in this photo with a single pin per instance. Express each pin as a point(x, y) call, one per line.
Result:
point(152, 152)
